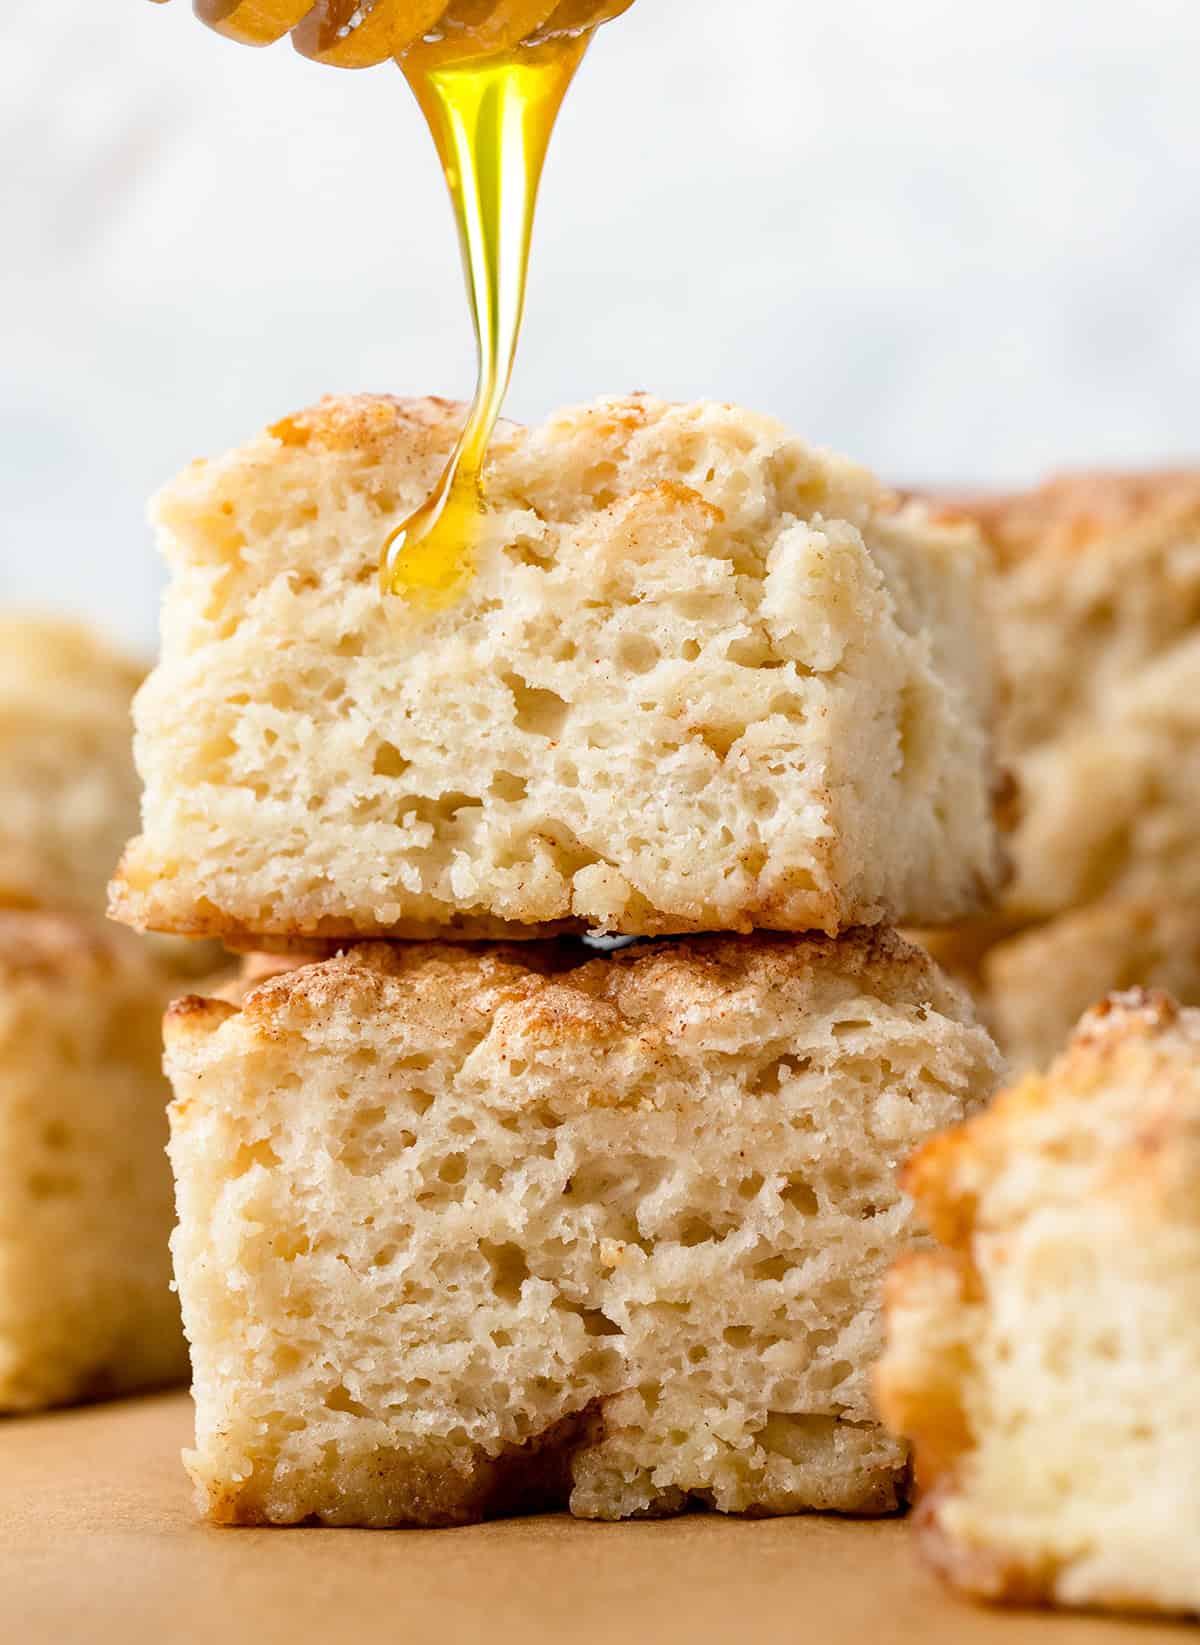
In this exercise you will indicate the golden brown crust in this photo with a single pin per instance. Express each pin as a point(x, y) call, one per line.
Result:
point(975, 1569)
point(138, 907)
point(334, 935)
point(374, 426)
point(765, 959)
point(562, 994)
point(534, 1476)
point(945, 1175)
point(942, 1174)
point(932, 1417)
point(566, 988)
point(197, 1013)
point(134, 909)
point(255, 968)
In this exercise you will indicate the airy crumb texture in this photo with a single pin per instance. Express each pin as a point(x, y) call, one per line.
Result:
point(1046, 1363)
point(68, 789)
point(704, 678)
point(460, 1236)
point(85, 1192)
point(1098, 630)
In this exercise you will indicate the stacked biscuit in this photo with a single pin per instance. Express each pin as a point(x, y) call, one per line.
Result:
point(471, 1216)
point(85, 1195)
point(1098, 627)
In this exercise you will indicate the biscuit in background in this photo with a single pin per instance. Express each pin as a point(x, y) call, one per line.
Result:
point(704, 678)
point(86, 1205)
point(462, 1231)
point(1097, 624)
point(1098, 636)
point(962, 950)
point(68, 789)
point(1045, 1363)
point(69, 793)
point(1032, 983)
point(1035, 986)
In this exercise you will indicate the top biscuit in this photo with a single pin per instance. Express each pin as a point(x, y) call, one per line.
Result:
point(704, 678)
point(1098, 635)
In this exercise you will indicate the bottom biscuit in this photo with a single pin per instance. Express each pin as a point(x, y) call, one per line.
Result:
point(465, 1231)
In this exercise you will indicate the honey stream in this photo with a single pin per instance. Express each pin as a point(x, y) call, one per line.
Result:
point(491, 121)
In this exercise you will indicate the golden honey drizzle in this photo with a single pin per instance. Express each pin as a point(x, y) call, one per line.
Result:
point(491, 122)
point(490, 77)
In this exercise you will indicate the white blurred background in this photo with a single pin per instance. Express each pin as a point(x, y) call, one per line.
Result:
point(961, 242)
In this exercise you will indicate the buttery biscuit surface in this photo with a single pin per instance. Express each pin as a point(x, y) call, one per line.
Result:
point(1045, 1363)
point(462, 1230)
point(703, 678)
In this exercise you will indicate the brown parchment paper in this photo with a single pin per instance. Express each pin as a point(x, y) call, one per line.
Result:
point(99, 1544)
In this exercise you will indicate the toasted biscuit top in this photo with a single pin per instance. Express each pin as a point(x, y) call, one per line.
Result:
point(392, 434)
point(376, 426)
point(561, 992)
point(1118, 1111)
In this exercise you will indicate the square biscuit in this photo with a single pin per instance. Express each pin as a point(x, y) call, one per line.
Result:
point(702, 678)
point(85, 1190)
point(68, 788)
point(1045, 1361)
point(1098, 641)
point(462, 1231)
